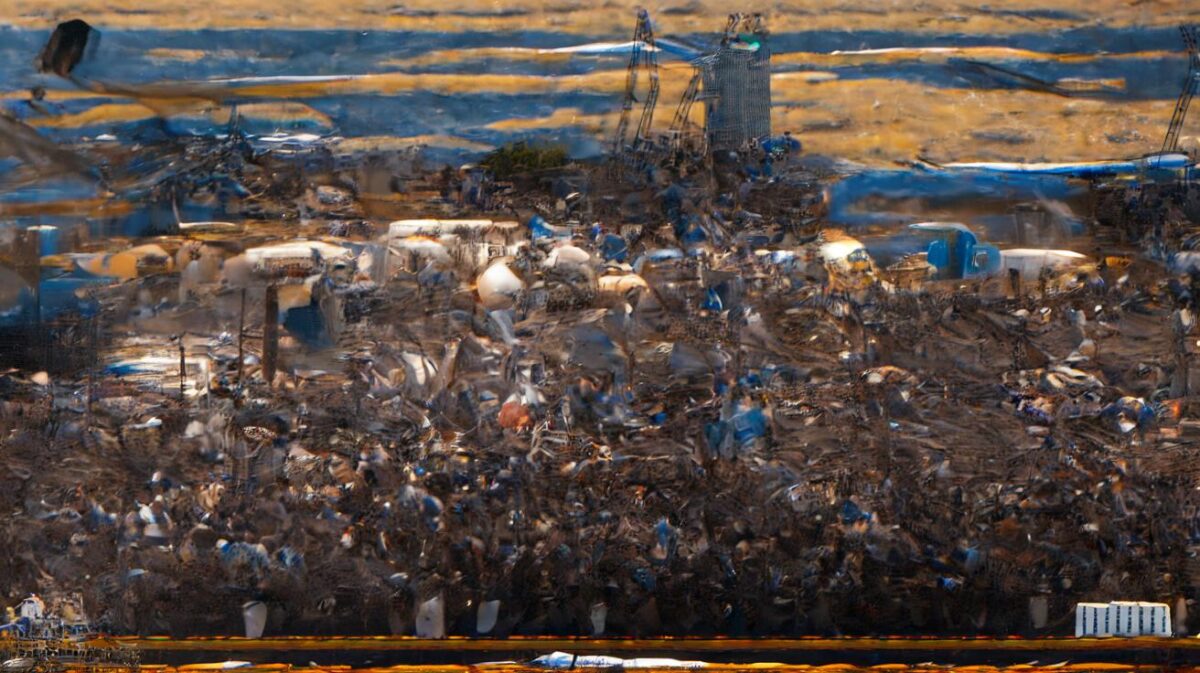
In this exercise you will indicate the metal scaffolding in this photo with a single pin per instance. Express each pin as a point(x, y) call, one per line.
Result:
point(737, 85)
point(1190, 85)
point(643, 55)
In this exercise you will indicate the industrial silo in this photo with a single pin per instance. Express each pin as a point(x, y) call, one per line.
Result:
point(737, 90)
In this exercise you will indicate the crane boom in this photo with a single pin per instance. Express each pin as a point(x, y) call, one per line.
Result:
point(643, 139)
point(684, 110)
point(635, 56)
point(1171, 142)
point(731, 26)
point(641, 54)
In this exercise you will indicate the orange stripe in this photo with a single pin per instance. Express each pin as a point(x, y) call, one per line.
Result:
point(525, 644)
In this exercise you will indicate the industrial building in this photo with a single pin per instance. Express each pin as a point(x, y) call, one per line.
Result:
point(737, 86)
point(734, 82)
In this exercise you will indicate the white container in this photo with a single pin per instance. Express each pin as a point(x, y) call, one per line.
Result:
point(1039, 610)
point(1125, 622)
point(431, 619)
point(1156, 619)
point(1091, 620)
point(254, 613)
point(598, 617)
point(485, 617)
point(1122, 618)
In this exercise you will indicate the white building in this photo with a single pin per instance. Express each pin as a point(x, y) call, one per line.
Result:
point(1122, 618)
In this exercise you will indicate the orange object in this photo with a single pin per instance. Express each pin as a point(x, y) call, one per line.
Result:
point(514, 416)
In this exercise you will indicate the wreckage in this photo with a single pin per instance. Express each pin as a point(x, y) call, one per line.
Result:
point(574, 404)
point(34, 641)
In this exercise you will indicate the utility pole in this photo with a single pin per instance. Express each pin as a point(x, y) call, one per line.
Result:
point(27, 254)
point(270, 333)
point(241, 339)
point(1182, 323)
point(93, 355)
point(182, 367)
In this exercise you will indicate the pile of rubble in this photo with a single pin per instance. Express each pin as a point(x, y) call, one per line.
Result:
point(707, 421)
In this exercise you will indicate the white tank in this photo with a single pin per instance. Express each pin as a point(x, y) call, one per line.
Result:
point(431, 618)
point(254, 613)
point(498, 286)
point(598, 618)
point(567, 255)
point(485, 617)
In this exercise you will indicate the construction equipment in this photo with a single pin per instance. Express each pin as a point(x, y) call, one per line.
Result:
point(734, 82)
point(731, 26)
point(738, 22)
point(642, 54)
point(680, 123)
point(1171, 142)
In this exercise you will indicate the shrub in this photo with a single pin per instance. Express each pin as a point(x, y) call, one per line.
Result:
point(521, 157)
